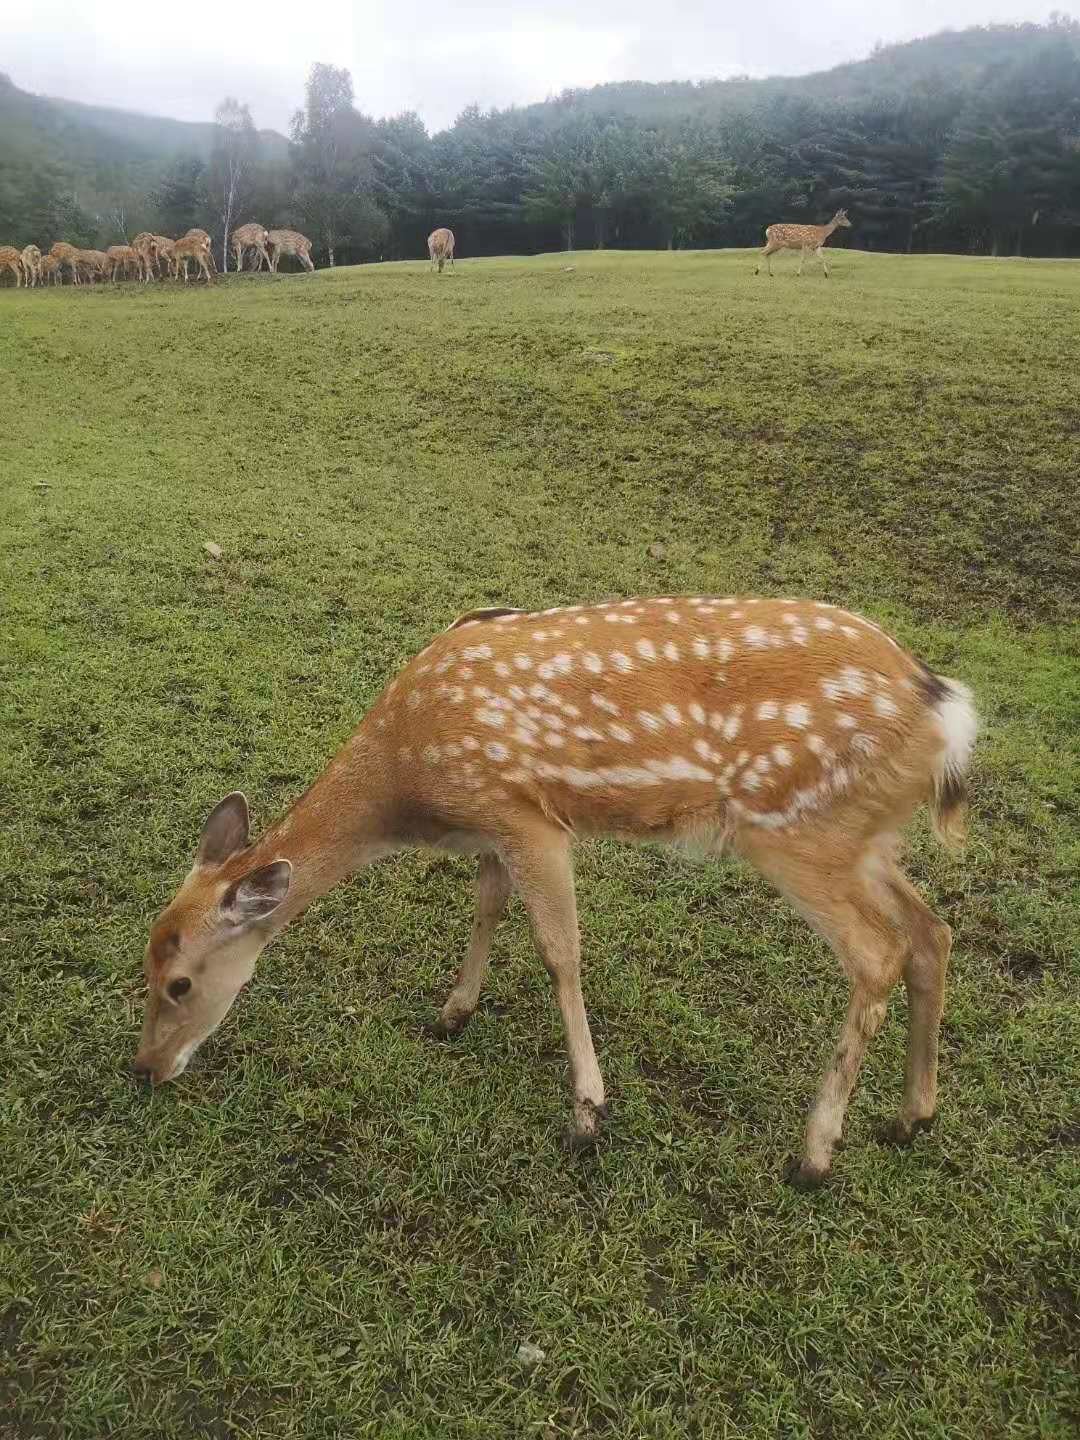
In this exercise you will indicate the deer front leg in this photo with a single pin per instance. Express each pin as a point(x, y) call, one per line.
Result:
point(545, 881)
point(492, 894)
point(821, 257)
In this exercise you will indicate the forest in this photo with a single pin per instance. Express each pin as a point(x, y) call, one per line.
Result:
point(965, 141)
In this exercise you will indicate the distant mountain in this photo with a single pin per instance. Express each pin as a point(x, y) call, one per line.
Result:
point(71, 168)
point(952, 60)
point(157, 134)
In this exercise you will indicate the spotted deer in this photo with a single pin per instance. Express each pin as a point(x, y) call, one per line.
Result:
point(795, 734)
point(143, 245)
point(804, 238)
point(289, 242)
point(164, 254)
point(65, 254)
point(49, 270)
point(31, 263)
point(93, 264)
point(192, 247)
point(440, 244)
point(11, 259)
point(204, 239)
point(250, 237)
point(121, 257)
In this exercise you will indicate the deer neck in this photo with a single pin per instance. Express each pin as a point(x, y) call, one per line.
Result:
point(338, 826)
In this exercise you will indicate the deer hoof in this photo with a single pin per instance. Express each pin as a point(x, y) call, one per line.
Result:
point(902, 1133)
point(801, 1176)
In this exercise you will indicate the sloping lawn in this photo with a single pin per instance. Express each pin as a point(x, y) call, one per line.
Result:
point(336, 1226)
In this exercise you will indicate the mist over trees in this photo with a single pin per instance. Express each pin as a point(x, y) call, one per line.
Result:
point(966, 141)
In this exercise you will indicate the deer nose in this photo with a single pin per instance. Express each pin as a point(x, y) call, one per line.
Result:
point(140, 1069)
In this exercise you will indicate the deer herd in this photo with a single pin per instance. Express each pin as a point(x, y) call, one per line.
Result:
point(151, 257)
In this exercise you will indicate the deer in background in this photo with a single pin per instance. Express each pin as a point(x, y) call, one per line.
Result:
point(192, 247)
point(803, 238)
point(65, 254)
point(798, 735)
point(250, 237)
point(163, 254)
point(143, 245)
point(122, 257)
point(31, 263)
point(11, 259)
point(440, 244)
point(49, 270)
point(92, 263)
point(289, 242)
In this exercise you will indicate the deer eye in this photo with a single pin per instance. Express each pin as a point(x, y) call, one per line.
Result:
point(178, 988)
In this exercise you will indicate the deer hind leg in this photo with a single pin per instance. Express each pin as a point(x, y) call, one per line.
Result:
point(766, 255)
point(924, 981)
point(493, 888)
point(543, 874)
point(864, 924)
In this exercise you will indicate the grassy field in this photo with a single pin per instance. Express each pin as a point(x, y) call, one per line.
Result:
point(336, 1226)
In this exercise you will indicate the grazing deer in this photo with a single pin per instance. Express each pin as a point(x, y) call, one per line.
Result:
point(121, 257)
point(440, 244)
point(803, 238)
point(93, 263)
point(65, 254)
point(163, 253)
point(192, 247)
point(143, 245)
point(49, 270)
point(289, 242)
point(204, 238)
point(250, 237)
point(802, 737)
point(31, 263)
point(11, 259)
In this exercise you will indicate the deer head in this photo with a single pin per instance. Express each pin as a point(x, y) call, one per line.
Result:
point(204, 944)
point(840, 220)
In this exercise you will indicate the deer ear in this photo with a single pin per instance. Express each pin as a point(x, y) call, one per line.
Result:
point(258, 894)
point(225, 831)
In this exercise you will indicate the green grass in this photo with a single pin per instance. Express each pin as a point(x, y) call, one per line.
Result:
point(335, 1226)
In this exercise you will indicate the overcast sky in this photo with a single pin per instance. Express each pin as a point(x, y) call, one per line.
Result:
point(181, 60)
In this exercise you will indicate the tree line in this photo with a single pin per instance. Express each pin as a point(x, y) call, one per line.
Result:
point(967, 141)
